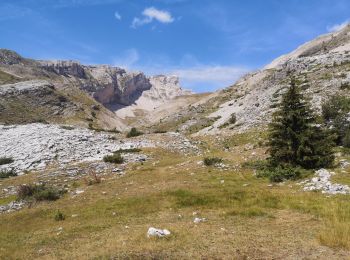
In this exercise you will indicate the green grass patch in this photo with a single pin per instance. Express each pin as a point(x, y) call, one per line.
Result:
point(186, 198)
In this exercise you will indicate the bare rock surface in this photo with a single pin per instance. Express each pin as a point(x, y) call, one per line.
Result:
point(321, 182)
point(34, 146)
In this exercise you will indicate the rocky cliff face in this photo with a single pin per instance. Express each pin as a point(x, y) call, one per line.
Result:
point(113, 85)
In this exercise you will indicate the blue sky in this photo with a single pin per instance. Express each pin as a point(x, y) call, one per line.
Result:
point(208, 43)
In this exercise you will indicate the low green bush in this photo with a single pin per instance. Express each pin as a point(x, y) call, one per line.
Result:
point(6, 160)
point(59, 216)
point(128, 150)
point(7, 173)
point(134, 132)
point(281, 173)
point(39, 192)
point(209, 161)
point(114, 158)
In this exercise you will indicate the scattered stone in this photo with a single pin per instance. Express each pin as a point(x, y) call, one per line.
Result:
point(199, 220)
point(12, 206)
point(154, 232)
point(77, 192)
point(321, 182)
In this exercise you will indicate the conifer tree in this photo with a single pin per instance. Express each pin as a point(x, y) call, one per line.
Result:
point(295, 139)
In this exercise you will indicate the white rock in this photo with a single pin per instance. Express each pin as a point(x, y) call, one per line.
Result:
point(199, 220)
point(155, 232)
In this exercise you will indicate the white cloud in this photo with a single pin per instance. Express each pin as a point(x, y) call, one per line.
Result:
point(117, 16)
point(127, 59)
point(338, 27)
point(150, 14)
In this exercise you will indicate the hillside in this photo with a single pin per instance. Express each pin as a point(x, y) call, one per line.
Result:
point(96, 96)
point(321, 67)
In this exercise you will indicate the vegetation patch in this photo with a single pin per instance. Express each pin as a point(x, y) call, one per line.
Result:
point(6, 160)
point(209, 161)
point(128, 150)
point(39, 192)
point(7, 173)
point(133, 133)
point(186, 198)
point(114, 158)
point(59, 216)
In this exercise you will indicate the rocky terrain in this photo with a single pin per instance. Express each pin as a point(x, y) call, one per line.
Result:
point(36, 146)
point(94, 93)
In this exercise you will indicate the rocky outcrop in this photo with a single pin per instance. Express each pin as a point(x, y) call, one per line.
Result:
point(37, 88)
point(322, 182)
point(64, 68)
point(8, 57)
point(34, 146)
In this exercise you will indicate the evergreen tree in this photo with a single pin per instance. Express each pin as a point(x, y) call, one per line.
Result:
point(294, 138)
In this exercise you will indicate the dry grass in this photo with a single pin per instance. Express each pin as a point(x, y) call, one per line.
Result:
point(246, 216)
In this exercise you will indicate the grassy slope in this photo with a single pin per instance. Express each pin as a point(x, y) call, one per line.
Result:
point(6, 78)
point(246, 216)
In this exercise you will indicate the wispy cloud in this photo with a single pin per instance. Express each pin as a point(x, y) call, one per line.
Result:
point(338, 27)
point(117, 16)
point(129, 58)
point(10, 11)
point(150, 14)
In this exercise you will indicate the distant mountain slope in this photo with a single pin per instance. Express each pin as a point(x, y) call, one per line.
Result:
point(85, 87)
point(321, 67)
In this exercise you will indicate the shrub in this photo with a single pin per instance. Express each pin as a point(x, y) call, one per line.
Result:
point(158, 131)
point(39, 192)
point(93, 179)
point(62, 99)
point(7, 173)
point(208, 161)
point(128, 150)
point(6, 160)
point(47, 193)
point(280, 173)
point(114, 158)
point(59, 216)
point(233, 119)
point(134, 132)
point(67, 127)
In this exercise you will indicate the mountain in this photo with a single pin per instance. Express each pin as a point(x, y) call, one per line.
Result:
point(69, 92)
point(110, 97)
point(321, 67)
